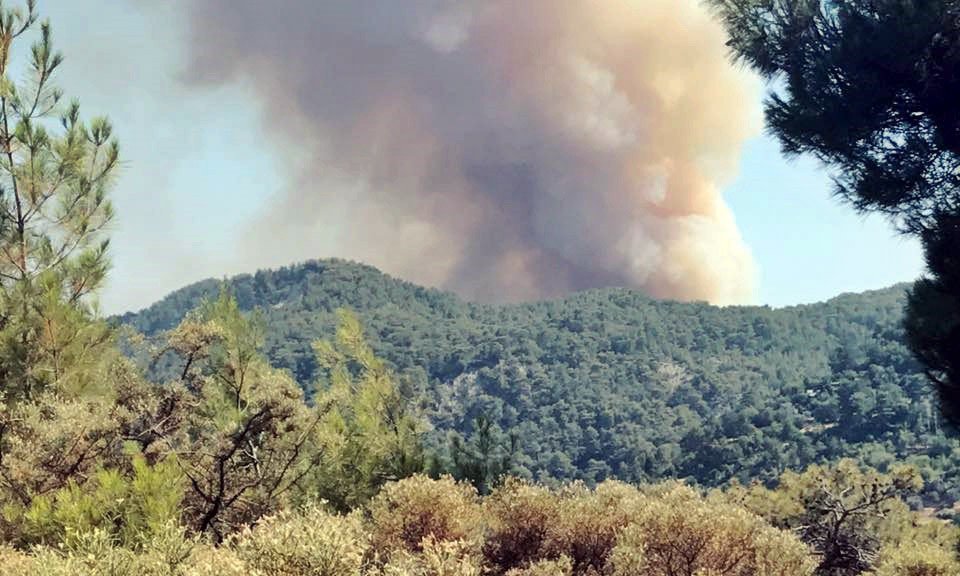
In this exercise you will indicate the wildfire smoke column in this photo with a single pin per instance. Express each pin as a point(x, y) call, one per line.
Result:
point(508, 150)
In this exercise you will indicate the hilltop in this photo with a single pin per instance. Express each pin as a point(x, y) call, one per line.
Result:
point(613, 383)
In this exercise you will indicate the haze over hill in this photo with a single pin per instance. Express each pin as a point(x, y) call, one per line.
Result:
point(613, 383)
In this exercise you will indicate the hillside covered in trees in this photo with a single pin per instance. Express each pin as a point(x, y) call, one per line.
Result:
point(611, 383)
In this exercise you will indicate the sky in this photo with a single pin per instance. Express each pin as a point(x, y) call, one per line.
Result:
point(198, 170)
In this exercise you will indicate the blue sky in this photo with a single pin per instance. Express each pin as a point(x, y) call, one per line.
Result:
point(196, 169)
point(808, 245)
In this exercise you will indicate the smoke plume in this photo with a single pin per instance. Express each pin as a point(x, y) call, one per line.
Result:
point(508, 150)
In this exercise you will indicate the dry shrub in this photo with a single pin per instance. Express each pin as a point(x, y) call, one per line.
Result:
point(96, 554)
point(16, 563)
point(560, 567)
point(405, 513)
point(590, 523)
point(918, 560)
point(314, 542)
point(222, 561)
point(520, 517)
point(681, 534)
point(437, 558)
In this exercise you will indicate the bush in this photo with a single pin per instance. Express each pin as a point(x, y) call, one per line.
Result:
point(520, 518)
point(437, 558)
point(560, 567)
point(681, 534)
point(95, 553)
point(222, 561)
point(590, 523)
point(49, 443)
point(918, 560)
point(405, 513)
point(314, 542)
point(424, 527)
point(132, 509)
point(16, 563)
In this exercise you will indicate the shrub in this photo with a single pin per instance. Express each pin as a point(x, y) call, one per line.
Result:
point(520, 517)
point(220, 561)
point(681, 534)
point(590, 522)
point(132, 509)
point(314, 542)
point(95, 553)
point(560, 567)
point(47, 444)
point(424, 527)
point(405, 513)
point(16, 563)
point(437, 558)
point(918, 560)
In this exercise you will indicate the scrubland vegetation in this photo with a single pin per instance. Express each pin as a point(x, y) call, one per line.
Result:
point(421, 526)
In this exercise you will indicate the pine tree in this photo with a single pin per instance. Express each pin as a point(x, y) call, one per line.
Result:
point(484, 460)
point(55, 173)
point(244, 437)
point(869, 87)
point(370, 433)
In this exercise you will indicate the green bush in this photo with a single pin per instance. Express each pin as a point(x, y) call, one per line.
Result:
point(131, 508)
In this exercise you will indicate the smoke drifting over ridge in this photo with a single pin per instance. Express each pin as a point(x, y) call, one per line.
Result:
point(507, 150)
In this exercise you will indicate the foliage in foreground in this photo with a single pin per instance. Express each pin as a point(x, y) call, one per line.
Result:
point(424, 527)
point(228, 442)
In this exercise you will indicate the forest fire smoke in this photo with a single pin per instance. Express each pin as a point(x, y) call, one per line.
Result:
point(507, 150)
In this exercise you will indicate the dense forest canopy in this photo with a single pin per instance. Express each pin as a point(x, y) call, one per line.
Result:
point(611, 383)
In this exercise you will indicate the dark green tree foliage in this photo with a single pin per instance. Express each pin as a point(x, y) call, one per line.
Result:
point(485, 458)
point(870, 87)
point(611, 383)
point(933, 313)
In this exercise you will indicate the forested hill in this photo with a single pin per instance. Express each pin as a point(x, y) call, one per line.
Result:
point(613, 383)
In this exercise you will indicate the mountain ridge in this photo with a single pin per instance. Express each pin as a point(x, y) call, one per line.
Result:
point(612, 383)
point(209, 286)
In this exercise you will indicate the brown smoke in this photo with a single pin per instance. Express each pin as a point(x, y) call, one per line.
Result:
point(507, 149)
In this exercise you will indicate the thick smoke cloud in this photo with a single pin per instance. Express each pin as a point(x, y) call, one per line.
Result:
point(507, 149)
